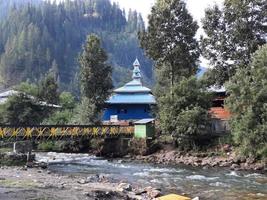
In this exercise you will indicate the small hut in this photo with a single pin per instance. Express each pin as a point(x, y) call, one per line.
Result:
point(144, 128)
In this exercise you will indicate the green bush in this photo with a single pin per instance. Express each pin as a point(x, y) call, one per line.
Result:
point(46, 146)
point(248, 105)
point(72, 146)
point(184, 114)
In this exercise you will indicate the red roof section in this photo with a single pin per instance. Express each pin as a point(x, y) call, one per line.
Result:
point(220, 113)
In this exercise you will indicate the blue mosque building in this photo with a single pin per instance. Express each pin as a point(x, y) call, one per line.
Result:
point(133, 101)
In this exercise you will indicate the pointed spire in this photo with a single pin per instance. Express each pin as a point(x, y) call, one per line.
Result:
point(136, 63)
point(136, 71)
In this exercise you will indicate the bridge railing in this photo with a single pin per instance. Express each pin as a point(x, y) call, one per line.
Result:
point(63, 131)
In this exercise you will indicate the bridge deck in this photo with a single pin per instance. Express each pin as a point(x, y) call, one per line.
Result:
point(62, 131)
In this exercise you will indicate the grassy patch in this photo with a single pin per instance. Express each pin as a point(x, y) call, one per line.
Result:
point(5, 150)
point(20, 184)
point(12, 160)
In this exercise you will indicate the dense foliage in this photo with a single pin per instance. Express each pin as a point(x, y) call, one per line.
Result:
point(22, 110)
point(33, 104)
point(95, 78)
point(48, 91)
point(248, 103)
point(6, 5)
point(232, 34)
point(36, 37)
point(184, 114)
point(63, 115)
point(170, 41)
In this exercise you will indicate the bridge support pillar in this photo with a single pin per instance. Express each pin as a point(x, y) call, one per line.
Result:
point(115, 147)
point(29, 156)
point(24, 147)
point(14, 147)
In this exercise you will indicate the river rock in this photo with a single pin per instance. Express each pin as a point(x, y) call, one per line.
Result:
point(123, 187)
point(93, 178)
point(82, 181)
point(258, 166)
point(152, 192)
point(234, 166)
point(103, 178)
point(225, 164)
point(227, 148)
point(105, 195)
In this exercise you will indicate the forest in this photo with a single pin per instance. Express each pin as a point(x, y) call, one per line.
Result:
point(42, 36)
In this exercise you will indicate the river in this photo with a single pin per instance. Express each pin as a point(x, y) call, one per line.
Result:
point(211, 184)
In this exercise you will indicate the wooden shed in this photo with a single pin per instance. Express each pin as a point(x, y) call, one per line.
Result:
point(144, 128)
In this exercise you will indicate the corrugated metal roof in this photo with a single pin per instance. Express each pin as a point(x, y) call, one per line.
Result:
point(8, 93)
point(217, 89)
point(133, 92)
point(132, 98)
point(5, 95)
point(135, 82)
point(132, 89)
point(144, 121)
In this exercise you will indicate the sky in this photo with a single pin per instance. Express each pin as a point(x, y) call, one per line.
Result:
point(195, 7)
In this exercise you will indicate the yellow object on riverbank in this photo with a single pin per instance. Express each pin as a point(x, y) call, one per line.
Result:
point(173, 197)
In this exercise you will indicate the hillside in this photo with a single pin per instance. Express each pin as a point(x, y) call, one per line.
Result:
point(6, 5)
point(40, 37)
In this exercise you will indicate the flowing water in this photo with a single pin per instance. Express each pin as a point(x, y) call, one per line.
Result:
point(215, 183)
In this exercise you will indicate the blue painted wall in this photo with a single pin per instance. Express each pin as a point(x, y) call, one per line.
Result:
point(127, 111)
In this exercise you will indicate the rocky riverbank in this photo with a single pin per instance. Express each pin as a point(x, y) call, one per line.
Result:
point(229, 160)
point(19, 183)
point(14, 159)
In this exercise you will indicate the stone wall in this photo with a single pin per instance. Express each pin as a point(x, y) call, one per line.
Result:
point(142, 146)
point(14, 159)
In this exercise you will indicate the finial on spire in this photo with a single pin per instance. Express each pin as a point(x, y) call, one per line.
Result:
point(136, 71)
point(136, 63)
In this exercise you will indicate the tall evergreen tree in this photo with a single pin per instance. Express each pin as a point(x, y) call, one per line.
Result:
point(96, 81)
point(232, 34)
point(169, 40)
point(49, 90)
point(248, 105)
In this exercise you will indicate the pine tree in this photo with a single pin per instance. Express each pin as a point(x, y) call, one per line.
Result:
point(248, 105)
point(233, 33)
point(49, 90)
point(95, 77)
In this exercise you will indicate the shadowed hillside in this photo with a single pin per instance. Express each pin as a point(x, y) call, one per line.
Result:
point(41, 36)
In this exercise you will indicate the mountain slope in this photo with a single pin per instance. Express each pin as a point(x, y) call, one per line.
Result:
point(37, 38)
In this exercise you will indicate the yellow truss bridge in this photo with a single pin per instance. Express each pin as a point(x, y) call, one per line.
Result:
point(63, 131)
